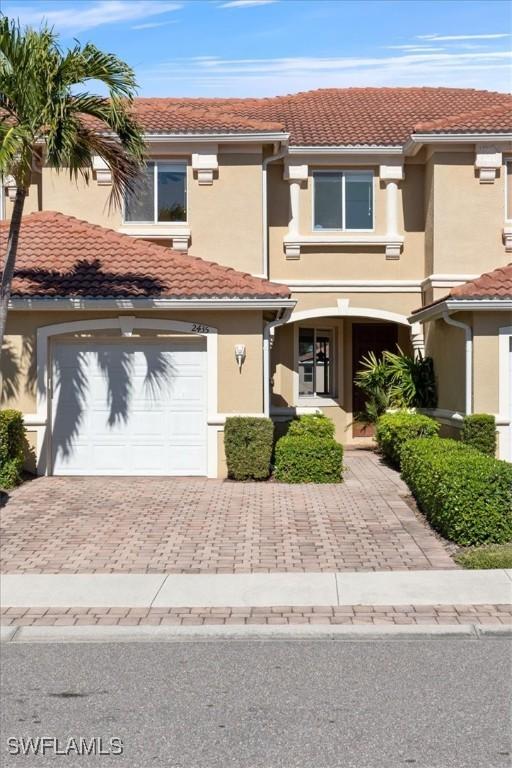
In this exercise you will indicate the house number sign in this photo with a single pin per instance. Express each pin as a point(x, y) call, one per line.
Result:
point(199, 328)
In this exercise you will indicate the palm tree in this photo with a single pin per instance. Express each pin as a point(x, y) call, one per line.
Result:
point(42, 111)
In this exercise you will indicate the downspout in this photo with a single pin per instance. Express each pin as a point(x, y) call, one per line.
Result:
point(468, 331)
point(264, 197)
point(268, 331)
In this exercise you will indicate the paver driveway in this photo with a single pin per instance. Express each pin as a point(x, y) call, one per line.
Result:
point(192, 525)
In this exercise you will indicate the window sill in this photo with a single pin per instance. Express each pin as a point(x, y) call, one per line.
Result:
point(316, 401)
point(392, 244)
point(177, 231)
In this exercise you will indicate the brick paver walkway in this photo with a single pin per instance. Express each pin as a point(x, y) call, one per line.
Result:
point(195, 525)
point(357, 614)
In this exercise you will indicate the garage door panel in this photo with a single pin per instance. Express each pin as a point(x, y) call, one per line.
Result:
point(129, 408)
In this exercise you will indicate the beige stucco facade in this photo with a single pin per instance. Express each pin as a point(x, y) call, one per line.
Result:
point(449, 227)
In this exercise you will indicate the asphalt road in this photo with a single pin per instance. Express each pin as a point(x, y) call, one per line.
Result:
point(440, 703)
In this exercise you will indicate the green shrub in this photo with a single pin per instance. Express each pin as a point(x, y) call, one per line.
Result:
point(479, 430)
point(492, 556)
point(465, 495)
point(308, 459)
point(314, 424)
point(248, 444)
point(394, 429)
point(12, 438)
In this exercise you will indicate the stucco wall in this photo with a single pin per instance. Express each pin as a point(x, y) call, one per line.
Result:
point(445, 344)
point(238, 391)
point(468, 216)
point(283, 368)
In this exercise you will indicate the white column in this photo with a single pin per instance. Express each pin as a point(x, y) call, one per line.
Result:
point(391, 208)
point(295, 175)
point(294, 223)
point(391, 175)
point(417, 339)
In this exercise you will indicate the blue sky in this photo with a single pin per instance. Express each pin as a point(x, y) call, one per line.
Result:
point(267, 47)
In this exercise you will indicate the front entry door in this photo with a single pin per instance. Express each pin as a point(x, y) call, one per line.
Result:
point(368, 337)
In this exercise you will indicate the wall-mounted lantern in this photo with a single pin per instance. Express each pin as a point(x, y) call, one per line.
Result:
point(240, 355)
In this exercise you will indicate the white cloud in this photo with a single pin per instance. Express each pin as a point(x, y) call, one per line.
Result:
point(245, 3)
point(442, 38)
point(153, 24)
point(258, 77)
point(75, 19)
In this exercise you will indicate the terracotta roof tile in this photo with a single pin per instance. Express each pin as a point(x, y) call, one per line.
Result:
point(60, 256)
point(494, 285)
point(491, 285)
point(335, 116)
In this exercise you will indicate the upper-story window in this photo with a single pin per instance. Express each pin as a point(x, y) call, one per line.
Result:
point(160, 195)
point(343, 200)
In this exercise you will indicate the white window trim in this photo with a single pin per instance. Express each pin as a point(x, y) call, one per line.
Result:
point(161, 162)
point(343, 172)
point(319, 400)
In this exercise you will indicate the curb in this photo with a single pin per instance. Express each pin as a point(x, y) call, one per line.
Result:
point(105, 634)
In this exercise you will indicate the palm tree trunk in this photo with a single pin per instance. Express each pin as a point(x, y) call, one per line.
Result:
point(10, 259)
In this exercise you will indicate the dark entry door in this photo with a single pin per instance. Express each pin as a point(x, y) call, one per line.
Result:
point(368, 337)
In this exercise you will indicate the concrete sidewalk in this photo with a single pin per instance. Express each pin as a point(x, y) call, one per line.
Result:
point(417, 588)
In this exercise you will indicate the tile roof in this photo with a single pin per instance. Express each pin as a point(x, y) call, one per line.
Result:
point(60, 256)
point(495, 285)
point(491, 285)
point(335, 116)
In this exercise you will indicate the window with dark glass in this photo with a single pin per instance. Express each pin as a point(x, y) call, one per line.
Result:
point(315, 362)
point(160, 194)
point(343, 200)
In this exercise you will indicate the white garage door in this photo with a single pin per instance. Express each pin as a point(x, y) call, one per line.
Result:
point(129, 408)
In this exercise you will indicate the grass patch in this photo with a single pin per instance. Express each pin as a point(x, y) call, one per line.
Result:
point(493, 556)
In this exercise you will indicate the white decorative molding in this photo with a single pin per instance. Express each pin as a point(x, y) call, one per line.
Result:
point(95, 305)
point(204, 164)
point(293, 172)
point(488, 160)
point(392, 172)
point(178, 232)
point(507, 237)
point(293, 243)
point(10, 186)
point(505, 394)
point(446, 281)
point(343, 309)
point(126, 323)
point(180, 243)
point(101, 171)
point(351, 286)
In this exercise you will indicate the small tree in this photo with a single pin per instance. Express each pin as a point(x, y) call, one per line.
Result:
point(395, 380)
point(40, 109)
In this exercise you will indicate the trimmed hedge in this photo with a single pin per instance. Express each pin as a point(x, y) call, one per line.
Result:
point(315, 424)
point(394, 429)
point(248, 444)
point(12, 438)
point(479, 430)
point(308, 459)
point(465, 495)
